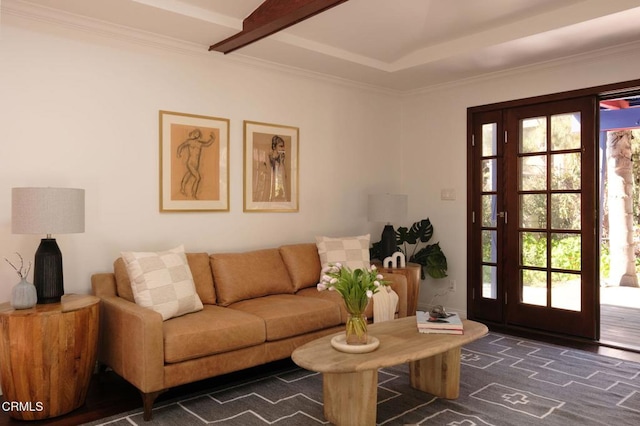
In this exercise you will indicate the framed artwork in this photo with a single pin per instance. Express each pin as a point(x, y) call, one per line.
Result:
point(194, 162)
point(270, 167)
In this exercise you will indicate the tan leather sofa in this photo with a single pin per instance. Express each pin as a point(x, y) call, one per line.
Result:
point(258, 307)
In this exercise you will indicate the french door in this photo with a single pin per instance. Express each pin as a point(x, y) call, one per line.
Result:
point(533, 216)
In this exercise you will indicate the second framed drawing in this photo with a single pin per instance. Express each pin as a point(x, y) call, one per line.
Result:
point(270, 167)
point(194, 162)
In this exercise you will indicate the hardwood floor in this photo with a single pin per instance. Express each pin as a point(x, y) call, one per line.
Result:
point(109, 394)
point(620, 326)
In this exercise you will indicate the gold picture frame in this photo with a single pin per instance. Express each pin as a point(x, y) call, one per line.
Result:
point(270, 167)
point(194, 162)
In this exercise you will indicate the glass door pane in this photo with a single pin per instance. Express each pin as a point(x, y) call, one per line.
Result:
point(554, 193)
point(489, 212)
point(486, 219)
point(551, 280)
point(533, 216)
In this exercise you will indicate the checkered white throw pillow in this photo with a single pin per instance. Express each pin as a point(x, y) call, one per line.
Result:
point(352, 252)
point(162, 281)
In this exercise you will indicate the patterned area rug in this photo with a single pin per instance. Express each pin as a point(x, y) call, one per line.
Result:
point(504, 381)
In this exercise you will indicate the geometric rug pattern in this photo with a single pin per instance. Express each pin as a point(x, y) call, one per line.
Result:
point(504, 380)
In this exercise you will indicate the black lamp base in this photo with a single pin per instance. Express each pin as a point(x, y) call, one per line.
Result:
point(47, 272)
point(388, 244)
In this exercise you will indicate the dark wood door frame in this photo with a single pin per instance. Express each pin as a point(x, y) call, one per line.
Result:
point(608, 90)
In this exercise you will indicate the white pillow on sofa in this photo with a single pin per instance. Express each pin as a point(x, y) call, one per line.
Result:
point(352, 252)
point(162, 281)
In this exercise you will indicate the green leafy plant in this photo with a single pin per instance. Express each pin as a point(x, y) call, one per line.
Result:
point(356, 286)
point(413, 243)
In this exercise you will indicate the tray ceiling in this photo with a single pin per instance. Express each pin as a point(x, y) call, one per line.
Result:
point(395, 44)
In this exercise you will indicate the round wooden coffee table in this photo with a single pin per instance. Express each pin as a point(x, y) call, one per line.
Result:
point(350, 381)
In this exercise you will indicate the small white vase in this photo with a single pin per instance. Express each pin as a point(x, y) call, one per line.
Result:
point(23, 295)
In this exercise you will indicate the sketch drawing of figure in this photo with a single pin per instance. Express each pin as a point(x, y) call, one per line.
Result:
point(277, 158)
point(193, 146)
point(261, 176)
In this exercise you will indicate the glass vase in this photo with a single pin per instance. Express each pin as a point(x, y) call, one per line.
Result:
point(356, 329)
point(23, 295)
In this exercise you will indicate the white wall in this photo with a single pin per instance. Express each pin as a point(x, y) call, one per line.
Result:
point(79, 108)
point(434, 134)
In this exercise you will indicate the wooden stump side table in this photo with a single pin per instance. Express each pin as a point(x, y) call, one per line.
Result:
point(47, 356)
point(412, 272)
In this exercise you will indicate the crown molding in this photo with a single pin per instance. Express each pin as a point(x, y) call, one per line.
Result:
point(592, 55)
point(28, 11)
point(121, 33)
point(32, 12)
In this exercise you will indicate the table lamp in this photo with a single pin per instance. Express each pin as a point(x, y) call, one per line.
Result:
point(387, 208)
point(47, 211)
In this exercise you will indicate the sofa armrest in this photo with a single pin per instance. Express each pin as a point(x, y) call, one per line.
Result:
point(131, 337)
point(103, 285)
point(399, 284)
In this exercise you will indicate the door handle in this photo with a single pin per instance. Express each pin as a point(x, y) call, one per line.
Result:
point(505, 216)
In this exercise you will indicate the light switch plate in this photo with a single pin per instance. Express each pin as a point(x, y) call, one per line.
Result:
point(448, 194)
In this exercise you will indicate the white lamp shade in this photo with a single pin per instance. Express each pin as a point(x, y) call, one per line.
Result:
point(387, 207)
point(47, 210)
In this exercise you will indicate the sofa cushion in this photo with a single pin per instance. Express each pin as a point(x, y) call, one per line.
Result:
point(210, 331)
point(334, 297)
point(287, 315)
point(200, 269)
point(202, 278)
point(123, 283)
point(352, 252)
point(162, 281)
point(303, 263)
point(241, 276)
point(397, 282)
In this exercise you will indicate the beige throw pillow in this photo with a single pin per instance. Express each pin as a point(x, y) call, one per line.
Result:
point(352, 252)
point(162, 281)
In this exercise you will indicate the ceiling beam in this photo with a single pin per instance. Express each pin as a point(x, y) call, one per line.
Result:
point(271, 17)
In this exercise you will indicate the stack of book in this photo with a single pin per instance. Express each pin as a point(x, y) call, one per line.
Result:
point(449, 325)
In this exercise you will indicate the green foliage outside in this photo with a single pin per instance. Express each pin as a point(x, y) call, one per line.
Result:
point(605, 260)
point(549, 198)
point(548, 186)
point(605, 264)
point(565, 254)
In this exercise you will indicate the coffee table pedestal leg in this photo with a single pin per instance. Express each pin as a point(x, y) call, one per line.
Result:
point(438, 375)
point(350, 399)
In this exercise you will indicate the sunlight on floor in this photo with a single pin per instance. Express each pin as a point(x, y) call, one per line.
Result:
point(567, 296)
point(620, 296)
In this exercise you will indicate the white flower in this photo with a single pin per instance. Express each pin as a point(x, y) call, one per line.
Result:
point(333, 281)
point(326, 278)
point(321, 287)
point(379, 276)
point(326, 269)
point(369, 294)
point(332, 288)
point(338, 265)
point(373, 267)
point(376, 283)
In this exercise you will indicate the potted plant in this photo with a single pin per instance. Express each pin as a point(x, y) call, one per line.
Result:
point(356, 287)
point(412, 242)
